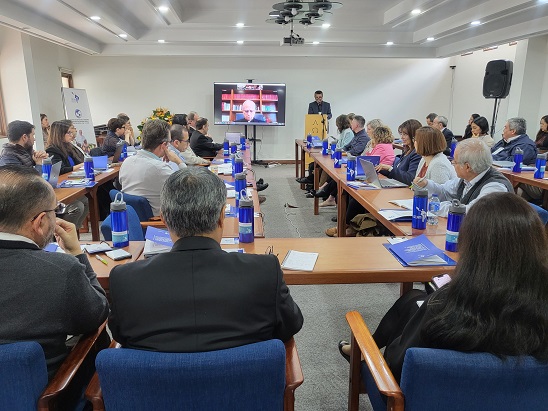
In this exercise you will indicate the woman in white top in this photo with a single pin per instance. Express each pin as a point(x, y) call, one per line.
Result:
point(480, 129)
point(434, 165)
point(345, 132)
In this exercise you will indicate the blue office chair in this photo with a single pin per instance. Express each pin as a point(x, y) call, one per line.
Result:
point(447, 380)
point(139, 204)
point(251, 377)
point(134, 226)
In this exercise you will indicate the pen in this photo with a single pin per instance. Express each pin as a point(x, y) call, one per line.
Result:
point(102, 260)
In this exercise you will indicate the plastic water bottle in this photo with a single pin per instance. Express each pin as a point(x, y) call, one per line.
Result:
point(123, 154)
point(238, 165)
point(518, 158)
point(46, 168)
point(454, 221)
point(338, 158)
point(88, 168)
point(309, 141)
point(233, 148)
point(333, 149)
point(242, 143)
point(433, 209)
point(351, 168)
point(226, 147)
point(325, 148)
point(119, 221)
point(420, 205)
point(246, 220)
point(540, 166)
point(239, 186)
point(233, 162)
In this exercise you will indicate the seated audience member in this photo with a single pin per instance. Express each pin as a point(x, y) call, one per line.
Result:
point(468, 131)
point(47, 296)
point(115, 134)
point(434, 165)
point(180, 119)
point(541, 140)
point(381, 145)
point(198, 297)
point(344, 132)
point(480, 130)
point(430, 119)
point(129, 135)
point(60, 148)
point(191, 119)
point(144, 173)
point(180, 145)
point(19, 149)
point(360, 140)
point(203, 145)
point(475, 177)
point(497, 299)
point(514, 136)
point(440, 122)
point(44, 122)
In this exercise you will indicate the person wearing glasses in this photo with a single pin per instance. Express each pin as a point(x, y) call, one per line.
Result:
point(47, 295)
point(116, 133)
point(318, 106)
point(144, 173)
point(180, 145)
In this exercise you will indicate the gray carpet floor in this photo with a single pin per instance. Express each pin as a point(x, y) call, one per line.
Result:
point(325, 372)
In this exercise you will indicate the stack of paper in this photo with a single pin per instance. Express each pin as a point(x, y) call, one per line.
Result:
point(297, 260)
point(419, 251)
point(403, 203)
point(156, 241)
point(396, 215)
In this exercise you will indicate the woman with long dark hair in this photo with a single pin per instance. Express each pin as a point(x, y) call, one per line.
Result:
point(541, 140)
point(60, 147)
point(497, 301)
point(468, 131)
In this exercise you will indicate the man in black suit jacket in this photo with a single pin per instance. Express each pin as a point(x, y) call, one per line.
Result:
point(319, 106)
point(203, 145)
point(198, 297)
point(440, 122)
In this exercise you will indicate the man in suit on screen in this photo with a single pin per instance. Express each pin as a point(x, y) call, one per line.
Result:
point(318, 106)
point(249, 110)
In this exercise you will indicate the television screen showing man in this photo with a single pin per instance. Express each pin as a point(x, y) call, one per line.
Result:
point(249, 114)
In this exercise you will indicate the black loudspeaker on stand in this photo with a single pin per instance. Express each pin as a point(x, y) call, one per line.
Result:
point(496, 84)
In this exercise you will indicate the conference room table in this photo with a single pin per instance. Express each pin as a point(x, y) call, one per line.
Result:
point(340, 261)
point(68, 195)
point(527, 177)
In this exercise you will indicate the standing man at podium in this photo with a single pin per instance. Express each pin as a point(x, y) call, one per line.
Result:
point(319, 106)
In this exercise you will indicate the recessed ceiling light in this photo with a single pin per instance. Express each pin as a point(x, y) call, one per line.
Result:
point(326, 25)
point(123, 35)
point(415, 12)
point(389, 43)
point(315, 42)
point(240, 42)
point(95, 18)
point(161, 41)
point(476, 23)
point(430, 39)
point(239, 24)
point(163, 9)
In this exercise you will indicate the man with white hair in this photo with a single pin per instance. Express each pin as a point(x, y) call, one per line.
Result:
point(514, 135)
point(440, 122)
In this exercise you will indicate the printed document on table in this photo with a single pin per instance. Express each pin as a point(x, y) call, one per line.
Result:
point(403, 203)
point(300, 261)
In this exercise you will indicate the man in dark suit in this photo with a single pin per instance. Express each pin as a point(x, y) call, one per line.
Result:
point(248, 115)
point(440, 122)
point(319, 106)
point(203, 145)
point(198, 297)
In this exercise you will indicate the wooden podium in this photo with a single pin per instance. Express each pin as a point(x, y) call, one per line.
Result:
point(316, 125)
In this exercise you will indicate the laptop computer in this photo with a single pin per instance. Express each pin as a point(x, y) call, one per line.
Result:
point(117, 153)
point(54, 174)
point(372, 178)
point(233, 137)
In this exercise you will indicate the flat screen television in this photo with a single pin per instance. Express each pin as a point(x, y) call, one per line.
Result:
point(249, 103)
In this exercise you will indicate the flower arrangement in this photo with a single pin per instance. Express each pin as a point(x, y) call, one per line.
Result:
point(160, 113)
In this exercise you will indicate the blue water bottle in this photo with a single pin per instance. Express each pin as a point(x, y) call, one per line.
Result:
point(119, 222)
point(325, 148)
point(238, 165)
point(351, 168)
point(454, 221)
point(239, 186)
point(233, 148)
point(309, 141)
point(333, 148)
point(453, 147)
point(540, 166)
point(338, 158)
point(88, 168)
point(123, 155)
point(518, 158)
point(233, 162)
point(242, 143)
point(46, 168)
point(246, 220)
point(226, 148)
point(420, 205)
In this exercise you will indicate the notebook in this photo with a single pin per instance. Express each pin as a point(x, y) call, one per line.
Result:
point(371, 177)
point(419, 251)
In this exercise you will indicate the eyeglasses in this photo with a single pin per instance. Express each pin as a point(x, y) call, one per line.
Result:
point(59, 210)
point(270, 250)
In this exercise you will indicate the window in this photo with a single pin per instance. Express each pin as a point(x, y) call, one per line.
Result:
point(66, 78)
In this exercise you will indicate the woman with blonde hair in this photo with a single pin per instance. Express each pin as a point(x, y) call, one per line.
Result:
point(381, 145)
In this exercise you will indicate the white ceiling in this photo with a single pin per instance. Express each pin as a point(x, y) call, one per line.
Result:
point(360, 28)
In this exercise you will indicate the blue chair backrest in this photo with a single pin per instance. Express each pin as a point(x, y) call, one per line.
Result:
point(450, 380)
point(139, 204)
point(23, 375)
point(134, 226)
point(251, 377)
